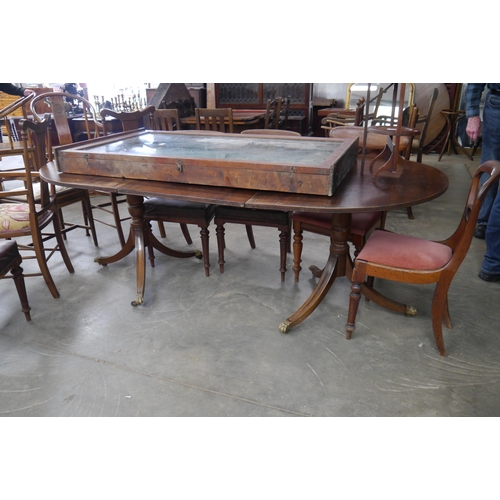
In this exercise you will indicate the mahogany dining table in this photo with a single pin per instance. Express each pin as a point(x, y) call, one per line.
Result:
point(359, 192)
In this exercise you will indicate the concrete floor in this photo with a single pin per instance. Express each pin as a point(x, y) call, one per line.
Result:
point(203, 346)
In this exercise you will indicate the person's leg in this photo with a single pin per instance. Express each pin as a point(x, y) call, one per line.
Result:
point(490, 268)
point(490, 151)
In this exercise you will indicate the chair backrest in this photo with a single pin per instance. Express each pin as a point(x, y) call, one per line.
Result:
point(33, 138)
point(60, 105)
point(269, 131)
point(378, 100)
point(277, 111)
point(346, 117)
point(214, 119)
point(166, 119)
point(6, 121)
point(461, 239)
point(35, 156)
point(425, 119)
point(131, 120)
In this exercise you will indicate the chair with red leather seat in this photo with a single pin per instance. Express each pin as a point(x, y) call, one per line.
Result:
point(408, 259)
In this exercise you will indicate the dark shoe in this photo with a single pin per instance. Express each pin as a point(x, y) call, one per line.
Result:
point(489, 277)
point(480, 231)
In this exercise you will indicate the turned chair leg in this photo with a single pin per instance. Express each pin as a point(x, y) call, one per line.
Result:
point(17, 274)
point(354, 299)
point(284, 238)
point(219, 230)
point(297, 249)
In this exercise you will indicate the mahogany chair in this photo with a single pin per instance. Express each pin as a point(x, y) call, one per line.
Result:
point(214, 119)
point(32, 218)
point(277, 111)
point(183, 212)
point(166, 119)
point(250, 217)
point(11, 260)
point(67, 196)
point(169, 120)
point(408, 259)
point(418, 144)
point(362, 224)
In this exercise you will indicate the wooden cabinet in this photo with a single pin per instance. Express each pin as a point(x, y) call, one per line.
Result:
point(255, 96)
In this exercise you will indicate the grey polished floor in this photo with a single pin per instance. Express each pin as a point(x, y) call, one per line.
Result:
point(203, 346)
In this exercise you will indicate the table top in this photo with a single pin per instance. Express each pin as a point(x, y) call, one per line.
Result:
point(417, 184)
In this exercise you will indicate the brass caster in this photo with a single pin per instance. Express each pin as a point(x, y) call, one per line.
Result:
point(97, 259)
point(410, 311)
point(284, 327)
point(198, 254)
point(138, 300)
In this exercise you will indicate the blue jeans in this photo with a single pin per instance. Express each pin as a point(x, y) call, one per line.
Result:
point(490, 210)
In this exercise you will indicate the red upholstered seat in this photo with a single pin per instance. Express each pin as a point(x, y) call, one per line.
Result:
point(405, 252)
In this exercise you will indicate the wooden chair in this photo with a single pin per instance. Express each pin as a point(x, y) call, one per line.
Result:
point(418, 144)
point(169, 120)
point(32, 217)
point(166, 119)
point(13, 146)
point(277, 111)
point(362, 224)
point(344, 118)
point(11, 260)
point(68, 196)
point(214, 119)
point(130, 121)
point(250, 217)
point(408, 259)
point(184, 212)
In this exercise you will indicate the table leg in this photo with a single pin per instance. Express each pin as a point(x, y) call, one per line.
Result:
point(136, 209)
point(338, 265)
point(140, 237)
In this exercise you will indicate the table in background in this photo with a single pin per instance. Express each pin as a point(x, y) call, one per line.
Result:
point(243, 119)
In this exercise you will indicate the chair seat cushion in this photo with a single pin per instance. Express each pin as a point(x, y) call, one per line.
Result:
point(15, 217)
point(404, 252)
point(361, 222)
point(248, 215)
point(158, 208)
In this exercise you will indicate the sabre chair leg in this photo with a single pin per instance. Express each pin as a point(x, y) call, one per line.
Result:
point(185, 232)
point(251, 239)
point(354, 299)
